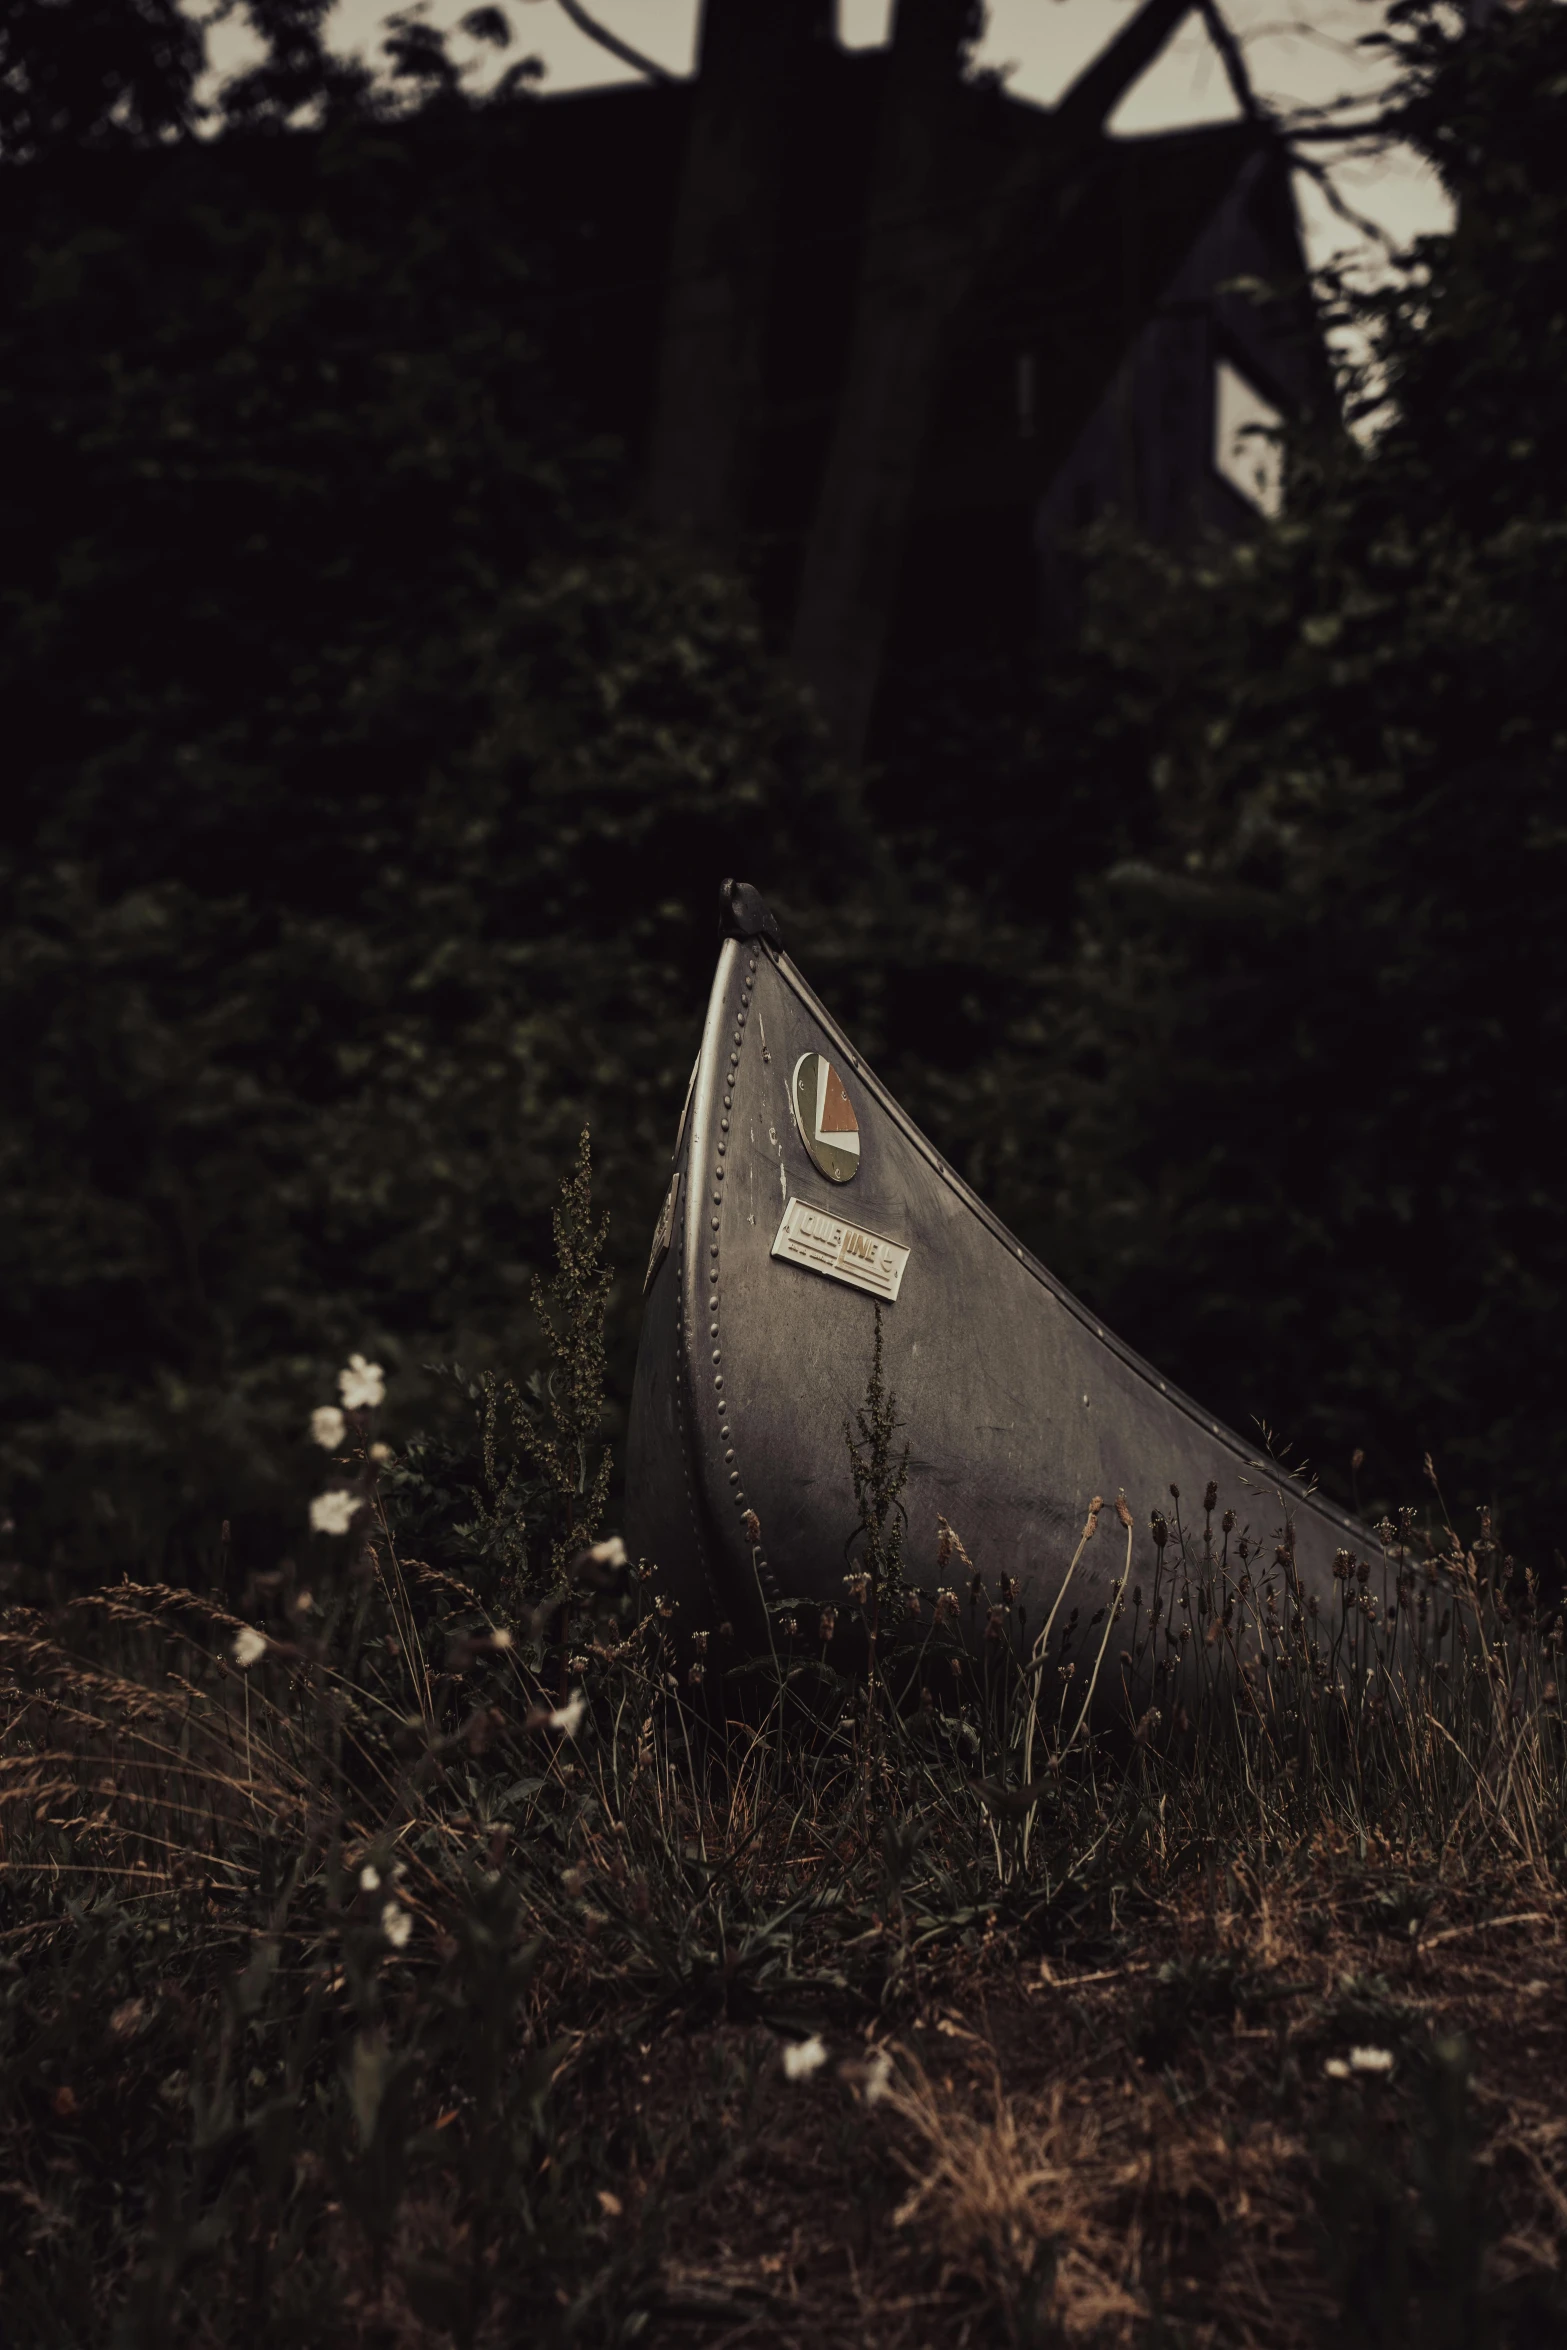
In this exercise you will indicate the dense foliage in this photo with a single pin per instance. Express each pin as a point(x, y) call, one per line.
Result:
point(367, 797)
point(1292, 1111)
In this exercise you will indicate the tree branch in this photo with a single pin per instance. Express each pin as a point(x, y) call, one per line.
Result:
point(1326, 134)
point(614, 44)
point(1356, 220)
point(1085, 107)
point(1240, 81)
point(1232, 57)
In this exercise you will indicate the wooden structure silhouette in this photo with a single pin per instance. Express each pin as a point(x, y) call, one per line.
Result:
point(886, 335)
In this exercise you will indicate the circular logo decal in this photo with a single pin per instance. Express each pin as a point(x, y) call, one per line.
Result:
point(825, 1116)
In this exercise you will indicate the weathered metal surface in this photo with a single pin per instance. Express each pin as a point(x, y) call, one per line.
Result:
point(1019, 1405)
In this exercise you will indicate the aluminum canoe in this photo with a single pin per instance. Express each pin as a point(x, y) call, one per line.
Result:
point(1018, 1404)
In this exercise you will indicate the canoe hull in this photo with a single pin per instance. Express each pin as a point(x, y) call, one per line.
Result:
point(1017, 1405)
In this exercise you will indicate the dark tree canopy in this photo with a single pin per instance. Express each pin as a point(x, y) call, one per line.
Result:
point(1298, 1123)
point(78, 73)
point(368, 798)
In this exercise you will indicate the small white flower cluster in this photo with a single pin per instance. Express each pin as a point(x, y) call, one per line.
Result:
point(877, 2077)
point(1360, 2060)
point(872, 2076)
point(567, 1718)
point(332, 1512)
point(396, 1924)
point(362, 1387)
point(250, 1646)
point(370, 1876)
point(803, 2057)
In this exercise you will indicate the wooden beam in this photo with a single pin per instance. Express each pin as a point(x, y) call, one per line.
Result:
point(708, 386)
point(939, 209)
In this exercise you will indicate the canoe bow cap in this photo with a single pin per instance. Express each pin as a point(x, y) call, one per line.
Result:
point(745, 913)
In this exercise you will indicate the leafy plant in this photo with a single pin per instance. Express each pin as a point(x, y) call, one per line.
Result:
point(571, 1311)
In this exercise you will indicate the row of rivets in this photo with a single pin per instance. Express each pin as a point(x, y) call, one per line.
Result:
point(680, 1413)
point(712, 1304)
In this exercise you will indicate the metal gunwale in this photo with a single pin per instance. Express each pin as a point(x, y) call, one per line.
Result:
point(702, 1259)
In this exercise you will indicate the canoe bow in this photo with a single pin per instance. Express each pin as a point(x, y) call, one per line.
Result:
point(800, 1194)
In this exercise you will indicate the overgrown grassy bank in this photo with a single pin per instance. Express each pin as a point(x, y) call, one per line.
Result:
point(450, 1943)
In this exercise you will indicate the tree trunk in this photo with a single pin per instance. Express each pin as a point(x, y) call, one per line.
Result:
point(708, 389)
point(939, 209)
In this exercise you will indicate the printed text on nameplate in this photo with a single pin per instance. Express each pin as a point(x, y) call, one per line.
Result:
point(827, 1244)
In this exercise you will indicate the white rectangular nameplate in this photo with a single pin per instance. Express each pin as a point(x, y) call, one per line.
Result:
point(817, 1238)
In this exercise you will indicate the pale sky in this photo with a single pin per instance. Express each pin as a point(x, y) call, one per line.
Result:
point(1300, 52)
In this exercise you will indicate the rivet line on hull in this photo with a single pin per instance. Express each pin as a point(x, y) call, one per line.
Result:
point(692, 1509)
point(737, 1489)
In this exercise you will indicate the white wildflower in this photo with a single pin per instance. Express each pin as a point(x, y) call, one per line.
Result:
point(396, 1924)
point(878, 2076)
point(328, 1426)
point(500, 1638)
point(567, 1718)
point(380, 1454)
point(332, 1512)
point(362, 1386)
point(609, 1554)
point(249, 1646)
point(1371, 2060)
point(1336, 2069)
point(369, 1878)
point(802, 2057)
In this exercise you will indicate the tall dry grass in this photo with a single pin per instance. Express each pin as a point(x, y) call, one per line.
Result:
point(327, 1923)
